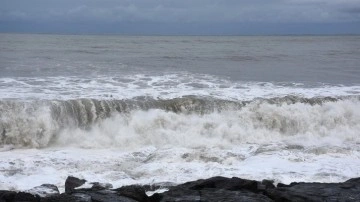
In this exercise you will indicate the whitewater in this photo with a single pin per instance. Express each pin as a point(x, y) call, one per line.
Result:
point(145, 110)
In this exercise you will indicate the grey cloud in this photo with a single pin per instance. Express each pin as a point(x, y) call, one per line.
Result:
point(180, 11)
point(354, 10)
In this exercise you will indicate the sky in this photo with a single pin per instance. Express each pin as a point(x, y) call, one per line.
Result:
point(181, 17)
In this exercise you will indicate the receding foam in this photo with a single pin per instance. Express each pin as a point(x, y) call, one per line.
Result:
point(165, 87)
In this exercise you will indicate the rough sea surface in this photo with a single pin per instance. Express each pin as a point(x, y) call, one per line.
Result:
point(136, 109)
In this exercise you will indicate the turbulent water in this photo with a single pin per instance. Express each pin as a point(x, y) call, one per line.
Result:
point(146, 110)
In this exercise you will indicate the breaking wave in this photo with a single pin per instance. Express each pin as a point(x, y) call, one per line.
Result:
point(188, 121)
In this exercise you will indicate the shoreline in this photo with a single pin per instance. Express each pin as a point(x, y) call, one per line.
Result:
point(212, 189)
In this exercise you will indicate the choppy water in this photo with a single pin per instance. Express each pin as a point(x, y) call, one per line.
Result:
point(125, 110)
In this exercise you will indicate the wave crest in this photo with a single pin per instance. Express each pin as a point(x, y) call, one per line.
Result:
point(188, 121)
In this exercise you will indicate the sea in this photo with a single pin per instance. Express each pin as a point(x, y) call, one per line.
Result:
point(170, 109)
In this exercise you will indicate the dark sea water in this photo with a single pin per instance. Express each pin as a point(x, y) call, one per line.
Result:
point(305, 59)
point(173, 108)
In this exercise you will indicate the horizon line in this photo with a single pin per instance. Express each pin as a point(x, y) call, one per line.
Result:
point(165, 35)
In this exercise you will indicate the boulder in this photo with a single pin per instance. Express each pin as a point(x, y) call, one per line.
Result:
point(180, 194)
point(72, 182)
point(67, 198)
point(26, 197)
point(135, 192)
point(212, 189)
point(347, 191)
point(232, 196)
point(101, 186)
point(101, 195)
point(217, 189)
point(7, 195)
point(232, 184)
point(44, 190)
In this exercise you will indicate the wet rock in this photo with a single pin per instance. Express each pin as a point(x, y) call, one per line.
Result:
point(133, 191)
point(67, 198)
point(82, 197)
point(102, 195)
point(7, 195)
point(347, 191)
point(101, 186)
point(156, 186)
point(269, 184)
point(155, 197)
point(217, 189)
point(212, 189)
point(232, 196)
point(231, 184)
point(44, 190)
point(180, 194)
point(72, 182)
point(212, 194)
point(26, 197)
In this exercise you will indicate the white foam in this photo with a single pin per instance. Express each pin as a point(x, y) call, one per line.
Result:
point(165, 87)
point(285, 142)
point(24, 169)
point(297, 142)
point(332, 123)
point(329, 123)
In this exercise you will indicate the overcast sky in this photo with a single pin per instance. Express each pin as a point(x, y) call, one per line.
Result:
point(181, 16)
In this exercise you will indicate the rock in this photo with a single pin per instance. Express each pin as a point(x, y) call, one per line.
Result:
point(101, 186)
point(72, 182)
point(212, 194)
point(44, 190)
point(212, 189)
point(26, 197)
point(231, 184)
point(217, 189)
point(7, 195)
point(102, 195)
point(135, 192)
point(235, 196)
point(269, 184)
point(353, 181)
point(157, 186)
point(155, 197)
point(67, 198)
point(347, 191)
point(180, 194)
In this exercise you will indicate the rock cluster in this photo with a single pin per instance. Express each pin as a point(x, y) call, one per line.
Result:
point(212, 189)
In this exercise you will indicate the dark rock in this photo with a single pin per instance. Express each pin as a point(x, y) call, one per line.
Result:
point(217, 189)
point(353, 181)
point(212, 189)
point(282, 185)
point(72, 182)
point(183, 195)
point(347, 191)
point(102, 195)
point(212, 194)
point(67, 198)
point(82, 197)
point(101, 186)
point(133, 191)
point(269, 184)
point(44, 190)
point(157, 186)
point(231, 184)
point(235, 196)
point(7, 195)
point(26, 197)
point(155, 197)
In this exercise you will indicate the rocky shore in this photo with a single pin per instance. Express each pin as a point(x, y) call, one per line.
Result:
point(212, 189)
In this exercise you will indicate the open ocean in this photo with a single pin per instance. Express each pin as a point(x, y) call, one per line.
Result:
point(152, 109)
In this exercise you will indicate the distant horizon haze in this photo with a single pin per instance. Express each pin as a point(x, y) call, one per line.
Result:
point(171, 17)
